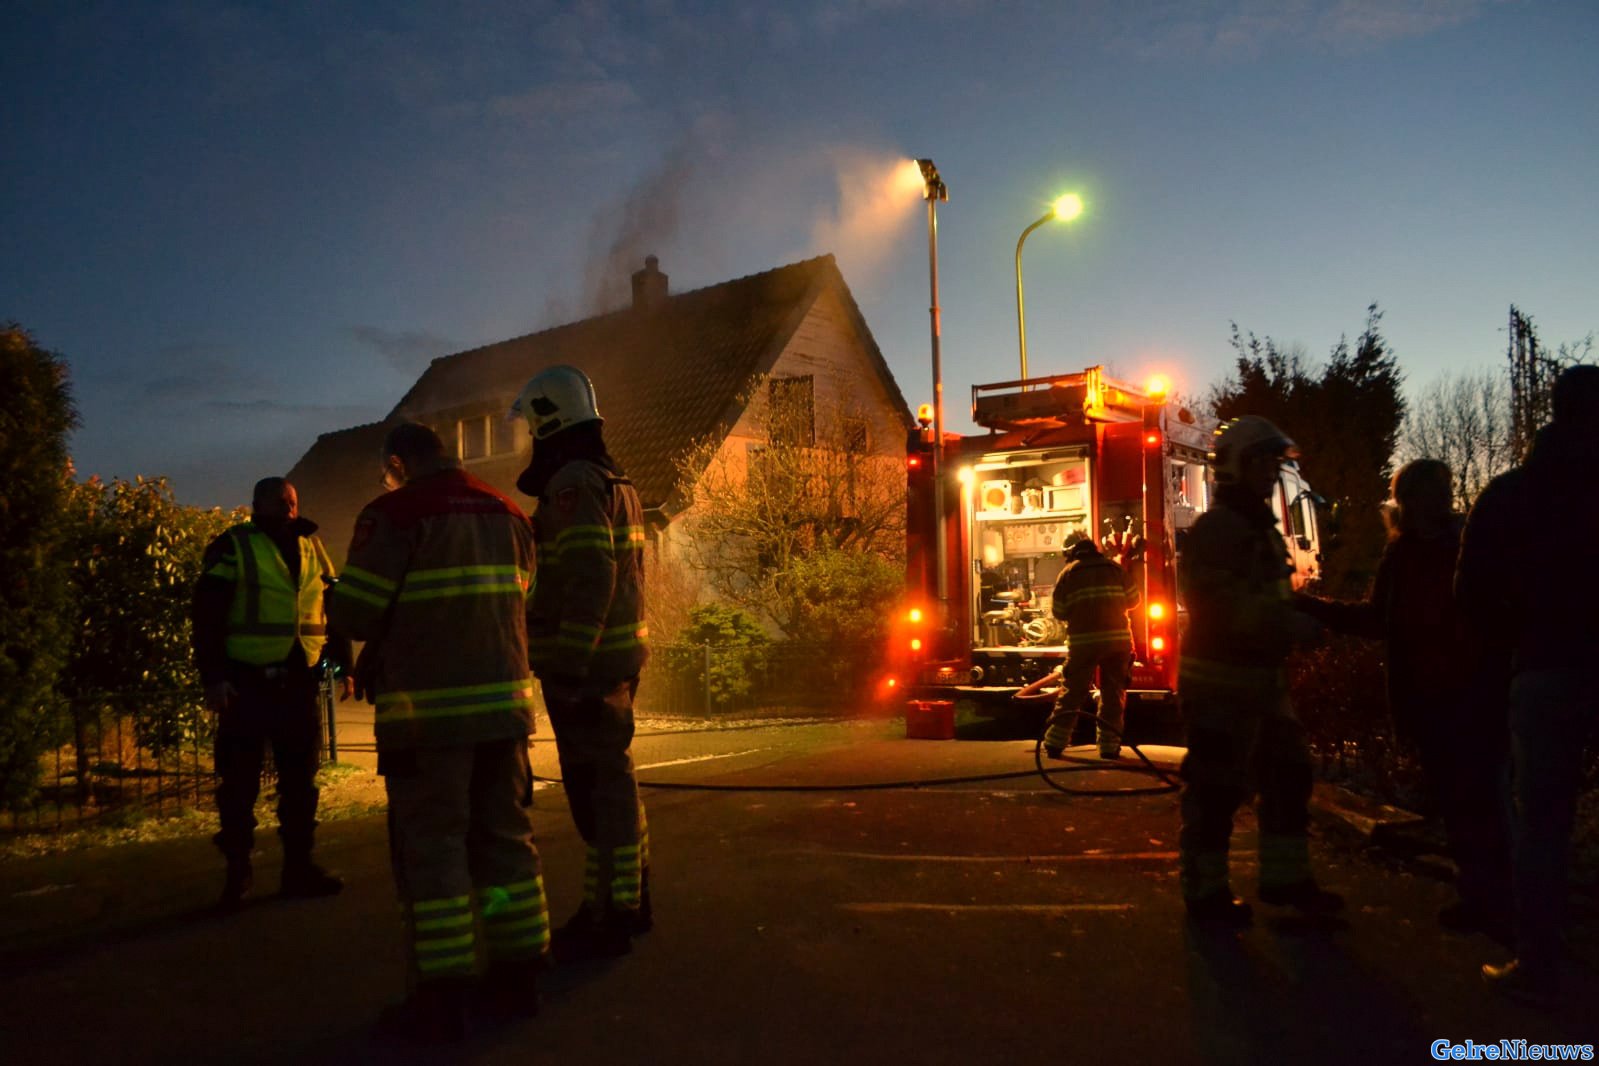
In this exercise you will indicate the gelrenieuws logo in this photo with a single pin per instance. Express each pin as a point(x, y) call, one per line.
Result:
point(1510, 1051)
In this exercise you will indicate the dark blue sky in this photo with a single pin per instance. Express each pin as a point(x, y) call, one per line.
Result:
point(247, 224)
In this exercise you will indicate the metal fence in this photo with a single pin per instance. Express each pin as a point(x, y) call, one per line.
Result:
point(149, 752)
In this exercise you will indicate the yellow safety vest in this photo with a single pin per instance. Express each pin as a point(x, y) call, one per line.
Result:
point(269, 615)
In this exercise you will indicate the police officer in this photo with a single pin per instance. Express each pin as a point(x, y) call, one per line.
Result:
point(1092, 597)
point(435, 581)
point(1243, 736)
point(259, 632)
point(587, 639)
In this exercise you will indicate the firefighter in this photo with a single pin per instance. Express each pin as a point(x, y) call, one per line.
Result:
point(259, 634)
point(435, 582)
point(587, 639)
point(1092, 597)
point(1243, 737)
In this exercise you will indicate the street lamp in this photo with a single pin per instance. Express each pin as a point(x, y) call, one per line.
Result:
point(933, 191)
point(1063, 209)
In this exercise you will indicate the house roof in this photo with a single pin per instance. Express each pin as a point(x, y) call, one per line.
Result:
point(666, 375)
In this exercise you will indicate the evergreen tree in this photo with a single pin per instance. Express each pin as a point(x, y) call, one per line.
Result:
point(1345, 416)
point(36, 414)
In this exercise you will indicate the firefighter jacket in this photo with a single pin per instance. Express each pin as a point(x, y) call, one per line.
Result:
point(437, 577)
point(1092, 596)
point(585, 618)
point(255, 605)
point(1234, 577)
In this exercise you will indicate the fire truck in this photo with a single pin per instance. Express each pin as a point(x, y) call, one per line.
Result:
point(1065, 454)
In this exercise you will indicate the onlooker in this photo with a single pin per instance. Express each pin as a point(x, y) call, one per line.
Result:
point(436, 581)
point(1446, 690)
point(587, 639)
point(259, 633)
point(1529, 577)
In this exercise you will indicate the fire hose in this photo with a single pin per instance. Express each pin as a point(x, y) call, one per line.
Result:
point(1049, 775)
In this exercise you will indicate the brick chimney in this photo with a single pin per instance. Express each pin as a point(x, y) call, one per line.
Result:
point(649, 286)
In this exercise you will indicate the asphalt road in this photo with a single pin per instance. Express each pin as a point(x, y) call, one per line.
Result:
point(992, 921)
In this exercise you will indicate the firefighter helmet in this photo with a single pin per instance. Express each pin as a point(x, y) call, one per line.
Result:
point(556, 398)
point(1239, 439)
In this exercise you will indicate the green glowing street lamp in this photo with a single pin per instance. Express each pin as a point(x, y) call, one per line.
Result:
point(1064, 209)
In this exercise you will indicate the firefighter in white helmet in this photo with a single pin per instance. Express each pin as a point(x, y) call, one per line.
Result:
point(1243, 737)
point(587, 645)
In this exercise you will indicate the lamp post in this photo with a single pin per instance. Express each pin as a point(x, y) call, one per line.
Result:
point(1064, 209)
point(934, 191)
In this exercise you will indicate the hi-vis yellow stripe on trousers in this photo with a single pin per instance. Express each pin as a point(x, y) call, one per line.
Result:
point(442, 937)
point(516, 920)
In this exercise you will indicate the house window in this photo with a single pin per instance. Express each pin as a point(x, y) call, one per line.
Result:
point(857, 436)
point(505, 435)
point(793, 410)
point(481, 436)
point(473, 438)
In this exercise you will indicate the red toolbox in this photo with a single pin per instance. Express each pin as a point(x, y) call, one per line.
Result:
point(930, 720)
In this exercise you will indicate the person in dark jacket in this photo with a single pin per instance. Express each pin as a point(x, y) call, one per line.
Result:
point(1447, 690)
point(1528, 576)
point(259, 633)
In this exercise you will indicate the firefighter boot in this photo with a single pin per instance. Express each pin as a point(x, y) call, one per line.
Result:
point(1305, 896)
point(591, 934)
point(434, 1013)
point(644, 917)
point(1515, 980)
point(240, 879)
point(304, 879)
point(510, 990)
point(1219, 909)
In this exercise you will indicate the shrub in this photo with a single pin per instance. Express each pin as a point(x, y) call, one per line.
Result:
point(35, 416)
point(738, 649)
point(1339, 694)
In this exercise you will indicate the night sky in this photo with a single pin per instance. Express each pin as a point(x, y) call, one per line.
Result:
point(247, 224)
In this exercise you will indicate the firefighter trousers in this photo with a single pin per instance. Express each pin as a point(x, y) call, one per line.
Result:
point(1114, 668)
point(281, 712)
point(1240, 748)
point(593, 725)
point(465, 865)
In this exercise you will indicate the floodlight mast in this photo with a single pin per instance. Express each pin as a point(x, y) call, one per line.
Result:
point(935, 191)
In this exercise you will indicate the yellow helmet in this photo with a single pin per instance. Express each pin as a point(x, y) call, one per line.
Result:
point(556, 398)
point(1240, 438)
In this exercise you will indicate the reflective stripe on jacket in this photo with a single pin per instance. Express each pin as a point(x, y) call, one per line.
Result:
point(586, 614)
point(1234, 578)
point(437, 576)
point(269, 612)
point(1092, 596)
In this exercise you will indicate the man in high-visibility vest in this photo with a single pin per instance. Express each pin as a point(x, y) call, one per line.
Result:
point(259, 633)
point(587, 639)
point(436, 582)
point(1243, 736)
point(1092, 597)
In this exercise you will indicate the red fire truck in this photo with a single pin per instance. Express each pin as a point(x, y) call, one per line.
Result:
point(1062, 454)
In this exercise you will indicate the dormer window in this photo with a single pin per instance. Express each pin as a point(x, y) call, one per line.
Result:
point(482, 436)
